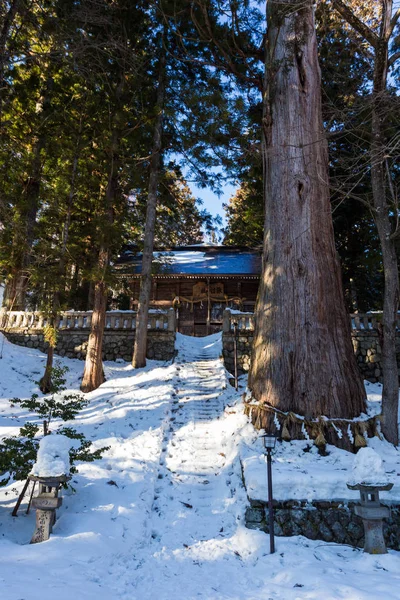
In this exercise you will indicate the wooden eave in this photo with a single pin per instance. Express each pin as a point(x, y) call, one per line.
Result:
point(196, 276)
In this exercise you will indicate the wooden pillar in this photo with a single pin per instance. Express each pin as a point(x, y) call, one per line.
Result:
point(194, 331)
point(208, 306)
point(239, 293)
point(178, 323)
point(132, 294)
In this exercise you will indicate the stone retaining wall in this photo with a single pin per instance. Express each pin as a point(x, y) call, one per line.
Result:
point(116, 344)
point(366, 343)
point(321, 520)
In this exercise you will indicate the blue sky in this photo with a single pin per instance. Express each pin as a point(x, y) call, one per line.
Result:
point(211, 201)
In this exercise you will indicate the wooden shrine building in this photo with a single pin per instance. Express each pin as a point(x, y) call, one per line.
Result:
point(198, 281)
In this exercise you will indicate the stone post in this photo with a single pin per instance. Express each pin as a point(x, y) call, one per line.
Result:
point(3, 317)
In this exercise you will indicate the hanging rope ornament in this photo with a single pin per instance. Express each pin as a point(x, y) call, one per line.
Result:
point(285, 431)
point(320, 440)
point(347, 433)
point(359, 439)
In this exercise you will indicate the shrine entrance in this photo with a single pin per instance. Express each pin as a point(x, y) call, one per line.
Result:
point(201, 313)
point(198, 282)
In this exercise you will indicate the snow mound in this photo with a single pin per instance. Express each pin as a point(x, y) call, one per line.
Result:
point(368, 469)
point(53, 456)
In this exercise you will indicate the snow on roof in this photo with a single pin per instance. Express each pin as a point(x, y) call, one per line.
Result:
point(195, 260)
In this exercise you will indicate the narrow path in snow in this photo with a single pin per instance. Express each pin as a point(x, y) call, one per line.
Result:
point(193, 488)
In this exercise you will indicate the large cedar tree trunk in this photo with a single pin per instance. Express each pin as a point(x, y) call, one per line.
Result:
point(93, 375)
point(140, 347)
point(303, 359)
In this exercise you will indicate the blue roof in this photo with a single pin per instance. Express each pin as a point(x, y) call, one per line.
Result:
point(196, 260)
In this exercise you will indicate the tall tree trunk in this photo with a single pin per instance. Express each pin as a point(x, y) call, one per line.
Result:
point(45, 382)
point(67, 222)
point(93, 375)
point(382, 208)
point(139, 351)
point(303, 359)
point(390, 392)
point(14, 291)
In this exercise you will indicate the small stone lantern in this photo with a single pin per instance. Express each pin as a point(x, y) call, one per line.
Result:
point(372, 512)
point(46, 503)
point(369, 478)
point(50, 471)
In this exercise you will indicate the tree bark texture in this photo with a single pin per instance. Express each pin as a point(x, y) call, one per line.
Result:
point(139, 351)
point(93, 375)
point(303, 359)
point(45, 383)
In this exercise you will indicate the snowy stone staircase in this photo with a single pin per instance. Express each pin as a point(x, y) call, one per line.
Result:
point(192, 485)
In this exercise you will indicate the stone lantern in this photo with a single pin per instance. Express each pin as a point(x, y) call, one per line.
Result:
point(51, 472)
point(46, 503)
point(372, 512)
point(369, 478)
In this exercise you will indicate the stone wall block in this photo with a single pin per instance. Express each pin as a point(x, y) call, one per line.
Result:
point(333, 521)
point(116, 344)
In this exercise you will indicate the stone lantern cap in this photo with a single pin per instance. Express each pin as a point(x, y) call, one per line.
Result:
point(362, 487)
point(50, 480)
point(368, 472)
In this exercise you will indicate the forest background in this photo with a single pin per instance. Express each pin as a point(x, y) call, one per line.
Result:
point(78, 103)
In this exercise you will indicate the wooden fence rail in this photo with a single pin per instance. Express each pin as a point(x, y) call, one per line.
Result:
point(245, 321)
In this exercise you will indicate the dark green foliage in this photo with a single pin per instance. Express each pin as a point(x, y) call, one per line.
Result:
point(82, 452)
point(17, 457)
point(18, 453)
point(346, 81)
point(78, 115)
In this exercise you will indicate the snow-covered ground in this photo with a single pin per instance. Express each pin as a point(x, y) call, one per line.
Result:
point(161, 515)
point(300, 473)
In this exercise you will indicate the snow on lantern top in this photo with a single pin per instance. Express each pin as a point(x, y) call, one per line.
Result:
point(53, 456)
point(368, 469)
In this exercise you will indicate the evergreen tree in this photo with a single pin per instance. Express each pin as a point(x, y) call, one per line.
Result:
point(377, 32)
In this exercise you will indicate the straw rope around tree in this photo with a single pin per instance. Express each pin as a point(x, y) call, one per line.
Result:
point(192, 300)
point(349, 434)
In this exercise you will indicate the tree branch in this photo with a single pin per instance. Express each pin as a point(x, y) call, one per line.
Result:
point(355, 22)
point(393, 58)
point(393, 22)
